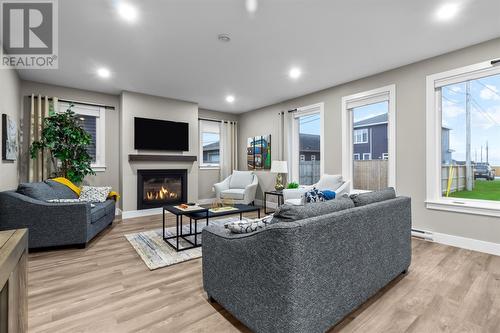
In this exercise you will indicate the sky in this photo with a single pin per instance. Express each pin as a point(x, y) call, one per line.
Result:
point(310, 124)
point(485, 122)
point(370, 111)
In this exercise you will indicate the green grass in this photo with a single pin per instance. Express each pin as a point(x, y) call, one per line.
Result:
point(483, 190)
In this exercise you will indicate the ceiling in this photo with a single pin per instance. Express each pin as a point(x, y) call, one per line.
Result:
point(172, 50)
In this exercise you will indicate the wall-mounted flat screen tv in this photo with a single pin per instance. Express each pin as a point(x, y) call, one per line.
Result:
point(153, 134)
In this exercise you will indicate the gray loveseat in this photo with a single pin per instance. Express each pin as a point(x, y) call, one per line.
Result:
point(53, 224)
point(307, 275)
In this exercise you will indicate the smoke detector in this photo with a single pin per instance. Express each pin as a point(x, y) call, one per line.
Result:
point(224, 38)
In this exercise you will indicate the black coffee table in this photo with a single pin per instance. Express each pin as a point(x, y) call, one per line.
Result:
point(179, 213)
point(196, 215)
point(240, 209)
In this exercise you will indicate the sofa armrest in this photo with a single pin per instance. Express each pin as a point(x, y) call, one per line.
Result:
point(251, 189)
point(294, 193)
point(49, 224)
point(344, 188)
point(222, 186)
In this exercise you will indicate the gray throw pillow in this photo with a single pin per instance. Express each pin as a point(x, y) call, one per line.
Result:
point(38, 191)
point(364, 199)
point(61, 190)
point(289, 213)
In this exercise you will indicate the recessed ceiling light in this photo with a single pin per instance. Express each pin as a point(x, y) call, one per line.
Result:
point(251, 6)
point(103, 72)
point(447, 11)
point(127, 12)
point(295, 73)
point(230, 98)
point(224, 38)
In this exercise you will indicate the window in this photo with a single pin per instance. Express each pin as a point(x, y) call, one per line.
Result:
point(209, 144)
point(307, 140)
point(463, 140)
point(368, 138)
point(92, 119)
point(361, 136)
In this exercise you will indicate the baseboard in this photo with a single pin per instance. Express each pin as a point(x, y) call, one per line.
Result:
point(139, 213)
point(461, 242)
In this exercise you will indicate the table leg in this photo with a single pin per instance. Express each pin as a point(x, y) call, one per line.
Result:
point(241, 216)
point(207, 217)
point(177, 231)
point(265, 203)
point(163, 223)
point(258, 213)
point(191, 225)
point(195, 232)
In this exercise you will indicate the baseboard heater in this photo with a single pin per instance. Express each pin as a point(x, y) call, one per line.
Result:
point(425, 235)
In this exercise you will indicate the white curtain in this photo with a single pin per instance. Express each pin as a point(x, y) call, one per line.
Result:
point(228, 148)
point(39, 167)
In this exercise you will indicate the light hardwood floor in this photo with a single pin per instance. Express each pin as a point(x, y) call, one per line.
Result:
point(107, 288)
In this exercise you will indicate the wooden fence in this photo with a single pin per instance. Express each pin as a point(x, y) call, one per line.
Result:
point(309, 172)
point(459, 178)
point(370, 174)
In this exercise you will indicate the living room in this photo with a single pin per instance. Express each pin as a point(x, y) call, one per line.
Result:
point(239, 166)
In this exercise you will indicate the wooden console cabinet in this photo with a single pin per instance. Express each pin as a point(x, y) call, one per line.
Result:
point(13, 281)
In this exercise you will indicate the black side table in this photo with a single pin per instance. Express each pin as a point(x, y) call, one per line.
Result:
point(279, 194)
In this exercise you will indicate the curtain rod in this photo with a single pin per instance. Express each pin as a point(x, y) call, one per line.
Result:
point(293, 110)
point(218, 121)
point(79, 102)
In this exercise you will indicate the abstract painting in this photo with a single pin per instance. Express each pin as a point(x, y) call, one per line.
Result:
point(259, 152)
point(9, 138)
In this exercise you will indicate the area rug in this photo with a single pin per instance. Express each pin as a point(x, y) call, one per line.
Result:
point(155, 253)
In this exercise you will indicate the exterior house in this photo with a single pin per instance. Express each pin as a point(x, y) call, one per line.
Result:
point(370, 138)
point(371, 141)
point(309, 149)
point(211, 153)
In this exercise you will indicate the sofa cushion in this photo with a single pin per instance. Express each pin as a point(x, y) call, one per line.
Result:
point(364, 199)
point(240, 179)
point(61, 191)
point(289, 213)
point(329, 182)
point(101, 209)
point(39, 191)
point(294, 202)
point(248, 225)
point(235, 193)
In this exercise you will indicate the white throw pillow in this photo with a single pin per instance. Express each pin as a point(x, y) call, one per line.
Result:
point(94, 194)
point(240, 179)
point(329, 182)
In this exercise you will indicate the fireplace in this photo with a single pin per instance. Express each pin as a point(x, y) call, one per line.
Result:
point(156, 188)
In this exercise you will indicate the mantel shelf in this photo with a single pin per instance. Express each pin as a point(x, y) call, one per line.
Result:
point(161, 158)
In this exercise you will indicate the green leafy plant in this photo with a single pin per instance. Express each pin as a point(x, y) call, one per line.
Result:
point(67, 144)
point(292, 185)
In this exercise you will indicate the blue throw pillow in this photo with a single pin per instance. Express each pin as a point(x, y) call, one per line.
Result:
point(329, 194)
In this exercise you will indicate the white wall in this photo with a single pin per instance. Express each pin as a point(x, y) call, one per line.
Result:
point(147, 106)
point(410, 135)
point(10, 104)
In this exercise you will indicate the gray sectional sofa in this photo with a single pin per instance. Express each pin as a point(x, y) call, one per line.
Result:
point(53, 224)
point(306, 275)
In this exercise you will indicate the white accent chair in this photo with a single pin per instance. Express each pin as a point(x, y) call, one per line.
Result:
point(240, 187)
point(327, 182)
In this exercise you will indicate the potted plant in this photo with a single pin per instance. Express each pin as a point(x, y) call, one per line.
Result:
point(67, 142)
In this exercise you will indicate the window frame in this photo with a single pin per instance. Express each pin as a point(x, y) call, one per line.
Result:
point(369, 156)
point(386, 93)
point(356, 155)
point(434, 198)
point(202, 165)
point(363, 132)
point(294, 159)
point(99, 112)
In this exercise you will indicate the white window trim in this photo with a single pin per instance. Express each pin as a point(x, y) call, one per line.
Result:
point(385, 156)
point(434, 199)
point(356, 155)
point(362, 130)
point(369, 156)
point(207, 166)
point(100, 113)
point(300, 112)
point(387, 93)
